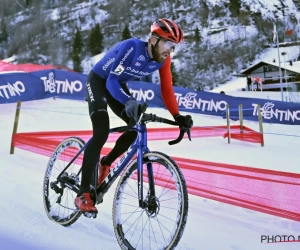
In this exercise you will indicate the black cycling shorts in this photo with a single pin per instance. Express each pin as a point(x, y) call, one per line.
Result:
point(98, 97)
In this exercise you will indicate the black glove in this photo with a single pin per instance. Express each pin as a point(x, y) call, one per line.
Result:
point(132, 109)
point(185, 122)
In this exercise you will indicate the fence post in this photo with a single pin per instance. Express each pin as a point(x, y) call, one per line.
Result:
point(241, 118)
point(228, 121)
point(260, 125)
point(12, 148)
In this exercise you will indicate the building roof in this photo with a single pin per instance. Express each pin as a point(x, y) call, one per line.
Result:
point(294, 68)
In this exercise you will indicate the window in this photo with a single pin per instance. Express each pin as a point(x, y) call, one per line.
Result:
point(269, 68)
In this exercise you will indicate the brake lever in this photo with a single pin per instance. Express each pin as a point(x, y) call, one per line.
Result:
point(132, 122)
point(189, 121)
point(189, 134)
point(143, 108)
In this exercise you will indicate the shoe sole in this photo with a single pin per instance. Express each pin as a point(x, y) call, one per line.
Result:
point(88, 214)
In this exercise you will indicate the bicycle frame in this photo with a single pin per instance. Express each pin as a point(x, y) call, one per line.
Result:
point(138, 166)
point(138, 147)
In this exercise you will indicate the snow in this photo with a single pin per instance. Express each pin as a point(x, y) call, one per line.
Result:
point(55, 14)
point(236, 84)
point(272, 8)
point(269, 54)
point(211, 224)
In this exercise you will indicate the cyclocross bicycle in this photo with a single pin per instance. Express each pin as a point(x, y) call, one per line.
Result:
point(150, 204)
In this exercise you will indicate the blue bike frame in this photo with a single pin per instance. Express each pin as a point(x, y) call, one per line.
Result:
point(139, 147)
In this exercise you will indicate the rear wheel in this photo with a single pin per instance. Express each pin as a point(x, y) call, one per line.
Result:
point(58, 198)
point(161, 223)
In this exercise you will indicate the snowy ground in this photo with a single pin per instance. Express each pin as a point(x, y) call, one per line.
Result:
point(211, 225)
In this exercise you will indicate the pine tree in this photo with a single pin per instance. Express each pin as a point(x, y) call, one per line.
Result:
point(76, 63)
point(95, 41)
point(1, 54)
point(77, 42)
point(99, 38)
point(197, 36)
point(27, 2)
point(91, 41)
point(3, 31)
point(126, 33)
point(203, 13)
point(77, 49)
point(175, 76)
point(234, 7)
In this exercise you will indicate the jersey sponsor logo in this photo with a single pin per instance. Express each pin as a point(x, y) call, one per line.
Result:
point(109, 62)
point(137, 76)
point(126, 55)
point(137, 64)
point(119, 69)
point(137, 71)
point(89, 89)
point(141, 58)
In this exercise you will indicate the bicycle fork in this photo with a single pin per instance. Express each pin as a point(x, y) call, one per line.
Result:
point(149, 202)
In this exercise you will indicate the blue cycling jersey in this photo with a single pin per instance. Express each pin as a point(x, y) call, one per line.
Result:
point(126, 61)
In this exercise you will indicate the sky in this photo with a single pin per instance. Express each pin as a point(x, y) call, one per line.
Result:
point(211, 224)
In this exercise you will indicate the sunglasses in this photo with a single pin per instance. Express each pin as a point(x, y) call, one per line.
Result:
point(169, 45)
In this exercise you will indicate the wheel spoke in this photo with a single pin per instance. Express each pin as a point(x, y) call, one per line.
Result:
point(161, 223)
point(64, 212)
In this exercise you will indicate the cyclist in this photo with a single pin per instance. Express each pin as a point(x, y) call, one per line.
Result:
point(106, 85)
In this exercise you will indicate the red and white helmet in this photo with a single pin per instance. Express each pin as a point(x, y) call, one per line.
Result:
point(168, 30)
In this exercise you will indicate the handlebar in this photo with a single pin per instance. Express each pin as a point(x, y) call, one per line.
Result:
point(144, 118)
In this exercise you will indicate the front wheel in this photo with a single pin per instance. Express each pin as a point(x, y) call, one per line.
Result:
point(159, 225)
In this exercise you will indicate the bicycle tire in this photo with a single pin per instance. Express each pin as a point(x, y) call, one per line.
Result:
point(65, 213)
point(129, 236)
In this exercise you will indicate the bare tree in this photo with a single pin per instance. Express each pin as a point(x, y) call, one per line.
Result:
point(56, 51)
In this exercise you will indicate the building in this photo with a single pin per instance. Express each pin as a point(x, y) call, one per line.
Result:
point(270, 77)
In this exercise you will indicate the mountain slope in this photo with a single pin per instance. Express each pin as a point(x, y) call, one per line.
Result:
point(232, 32)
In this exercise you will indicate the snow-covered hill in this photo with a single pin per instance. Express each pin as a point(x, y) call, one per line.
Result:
point(232, 31)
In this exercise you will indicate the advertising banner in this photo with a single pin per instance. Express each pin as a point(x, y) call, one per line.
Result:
point(215, 104)
point(41, 84)
point(65, 84)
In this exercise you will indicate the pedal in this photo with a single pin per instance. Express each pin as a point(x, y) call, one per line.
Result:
point(90, 215)
point(99, 200)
